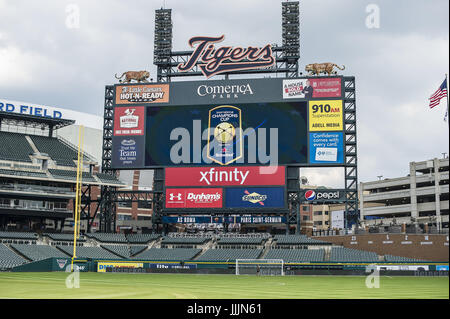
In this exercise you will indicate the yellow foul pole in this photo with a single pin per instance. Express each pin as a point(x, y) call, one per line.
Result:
point(77, 194)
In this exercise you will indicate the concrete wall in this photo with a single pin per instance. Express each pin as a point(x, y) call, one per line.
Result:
point(427, 247)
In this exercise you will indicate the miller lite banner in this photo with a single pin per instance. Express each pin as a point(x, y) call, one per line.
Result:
point(322, 195)
point(225, 176)
point(194, 198)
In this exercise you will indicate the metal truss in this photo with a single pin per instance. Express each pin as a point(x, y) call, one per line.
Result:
point(286, 56)
point(350, 149)
point(107, 204)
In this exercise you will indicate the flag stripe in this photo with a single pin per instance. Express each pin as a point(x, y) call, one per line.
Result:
point(441, 92)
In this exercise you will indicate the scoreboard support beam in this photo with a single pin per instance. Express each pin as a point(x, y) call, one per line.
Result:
point(350, 153)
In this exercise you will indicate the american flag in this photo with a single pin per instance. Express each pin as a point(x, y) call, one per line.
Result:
point(435, 99)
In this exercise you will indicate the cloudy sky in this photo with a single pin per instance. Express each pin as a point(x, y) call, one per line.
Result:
point(47, 58)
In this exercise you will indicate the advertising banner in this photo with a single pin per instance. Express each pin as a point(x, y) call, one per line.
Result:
point(326, 115)
point(322, 195)
point(312, 88)
point(326, 148)
point(194, 197)
point(337, 219)
point(226, 219)
point(129, 121)
point(128, 151)
point(142, 93)
point(255, 197)
point(225, 176)
point(101, 266)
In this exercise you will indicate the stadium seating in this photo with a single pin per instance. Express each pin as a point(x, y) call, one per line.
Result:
point(120, 250)
point(185, 240)
point(89, 252)
point(108, 179)
point(18, 235)
point(136, 249)
point(296, 255)
point(390, 258)
point(167, 254)
point(57, 150)
point(9, 259)
point(240, 241)
point(15, 147)
point(229, 254)
point(38, 252)
point(141, 238)
point(108, 238)
point(71, 175)
point(341, 254)
point(22, 173)
point(63, 237)
point(297, 240)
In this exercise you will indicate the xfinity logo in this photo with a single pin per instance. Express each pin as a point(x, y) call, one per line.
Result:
point(223, 176)
point(224, 91)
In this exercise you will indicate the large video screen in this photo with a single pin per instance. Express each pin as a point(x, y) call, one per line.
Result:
point(229, 123)
point(258, 133)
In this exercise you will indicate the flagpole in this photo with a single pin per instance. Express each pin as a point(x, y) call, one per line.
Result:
point(448, 115)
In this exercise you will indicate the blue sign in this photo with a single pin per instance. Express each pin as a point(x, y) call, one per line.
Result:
point(41, 111)
point(128, 151)
point(326, 148)
point(255, 197)
point(226, 219)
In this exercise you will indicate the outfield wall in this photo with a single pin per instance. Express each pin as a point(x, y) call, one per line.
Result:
point(419, 246)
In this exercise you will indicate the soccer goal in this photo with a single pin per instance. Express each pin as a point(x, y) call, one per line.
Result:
point(262, 267)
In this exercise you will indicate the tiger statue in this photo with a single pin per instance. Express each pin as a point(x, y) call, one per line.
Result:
point(317, 68)
point(139, 76)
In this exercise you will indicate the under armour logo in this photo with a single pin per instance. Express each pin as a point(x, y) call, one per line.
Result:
point(172, 196)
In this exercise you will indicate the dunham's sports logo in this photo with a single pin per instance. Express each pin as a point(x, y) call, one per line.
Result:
point(194, 198)
point(212, 61)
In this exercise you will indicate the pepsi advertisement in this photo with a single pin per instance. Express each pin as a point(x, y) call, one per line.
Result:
point(322, 195)
point(255, 197)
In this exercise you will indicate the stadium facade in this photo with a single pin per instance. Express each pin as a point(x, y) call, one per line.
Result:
point(421, 198)
point(38, 169)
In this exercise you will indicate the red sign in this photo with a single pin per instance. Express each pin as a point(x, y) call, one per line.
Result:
point(327, 87)
point(129, 120)
point(225, 176)
point(194, 197)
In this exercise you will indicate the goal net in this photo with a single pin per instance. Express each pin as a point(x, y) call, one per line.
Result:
point(262, 267)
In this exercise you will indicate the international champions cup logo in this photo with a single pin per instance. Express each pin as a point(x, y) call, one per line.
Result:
point(225, 59)
point(225, 144)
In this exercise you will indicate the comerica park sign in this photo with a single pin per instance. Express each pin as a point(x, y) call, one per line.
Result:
point(212, 60)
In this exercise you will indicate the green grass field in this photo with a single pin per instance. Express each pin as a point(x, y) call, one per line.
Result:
point(169, 286)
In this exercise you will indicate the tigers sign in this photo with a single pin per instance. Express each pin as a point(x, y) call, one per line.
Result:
point(211, 60)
